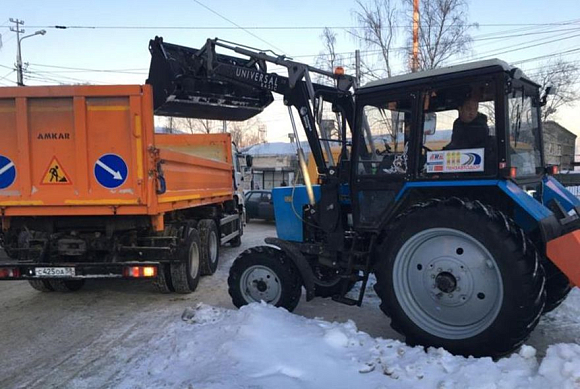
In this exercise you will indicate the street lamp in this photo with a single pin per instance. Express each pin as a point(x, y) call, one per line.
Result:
point(19, 53)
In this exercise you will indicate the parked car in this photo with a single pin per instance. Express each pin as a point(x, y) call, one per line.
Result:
point(259, 205)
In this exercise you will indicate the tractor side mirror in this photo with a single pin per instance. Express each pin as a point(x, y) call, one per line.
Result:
point(249, 160)
point(550, 90)
point(430, 123)
point(318, 108)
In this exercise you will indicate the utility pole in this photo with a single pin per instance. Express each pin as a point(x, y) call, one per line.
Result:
point(415, 61)
point(357, 66)
point(19, 40)
point(18, 31)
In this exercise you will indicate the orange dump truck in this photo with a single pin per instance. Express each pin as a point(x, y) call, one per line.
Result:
point(89, 190)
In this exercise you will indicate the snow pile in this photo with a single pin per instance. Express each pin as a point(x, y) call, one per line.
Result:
point(260, 346)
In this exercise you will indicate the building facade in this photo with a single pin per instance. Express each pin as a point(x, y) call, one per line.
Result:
point(559, 145)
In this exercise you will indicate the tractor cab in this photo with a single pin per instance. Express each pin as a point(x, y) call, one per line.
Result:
point(466, 123)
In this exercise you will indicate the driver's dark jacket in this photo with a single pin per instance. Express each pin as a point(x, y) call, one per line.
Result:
point(470, 135)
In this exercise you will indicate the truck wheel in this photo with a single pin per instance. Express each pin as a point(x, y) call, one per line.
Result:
point(163, 281)
point(557, 286)
point(457, 275)
point(66, 286)
point(210, 246)
point(41, 285)
point(264, 273)
point(185, 273)
point(237, 241)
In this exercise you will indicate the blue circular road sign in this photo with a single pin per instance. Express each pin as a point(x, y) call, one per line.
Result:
point(7, 172)
point(111, 171)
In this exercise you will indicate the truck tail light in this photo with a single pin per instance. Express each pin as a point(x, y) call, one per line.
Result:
point(140, 271)
point(9, 272)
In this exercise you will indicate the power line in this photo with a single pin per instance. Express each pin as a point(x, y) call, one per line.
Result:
point(237, 25)
point(120, 27)
point(128, 71)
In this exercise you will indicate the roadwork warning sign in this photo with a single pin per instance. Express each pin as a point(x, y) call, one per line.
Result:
point(55, 174)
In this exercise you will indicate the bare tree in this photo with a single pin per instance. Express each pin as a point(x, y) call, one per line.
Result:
point(200, 126)
point(377, 22)
point(247, 133)
point(564, 76)
point(443, 31)
point(328, 59)
point(170, 124)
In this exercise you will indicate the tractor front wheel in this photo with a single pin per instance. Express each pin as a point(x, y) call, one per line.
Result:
point(458, 275)
point(266, 274)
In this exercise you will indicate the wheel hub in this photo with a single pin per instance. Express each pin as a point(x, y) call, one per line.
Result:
point(261, 285)
point(446, 282)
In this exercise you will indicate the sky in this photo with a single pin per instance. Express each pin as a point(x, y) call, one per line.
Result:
point(116, 51)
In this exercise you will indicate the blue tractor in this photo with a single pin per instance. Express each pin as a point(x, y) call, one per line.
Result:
point(434, 182)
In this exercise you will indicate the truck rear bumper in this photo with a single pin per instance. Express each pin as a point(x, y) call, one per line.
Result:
point(564, 252)
point(32, 271)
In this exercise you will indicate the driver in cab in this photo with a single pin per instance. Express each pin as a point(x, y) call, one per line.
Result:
point(470, 130)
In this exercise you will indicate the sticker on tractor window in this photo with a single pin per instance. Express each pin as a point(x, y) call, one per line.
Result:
point(7, 172)
point(55, 174)
point(455, 161)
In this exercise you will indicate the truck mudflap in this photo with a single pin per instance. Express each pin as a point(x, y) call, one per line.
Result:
point(35, 271)
point(564, 252)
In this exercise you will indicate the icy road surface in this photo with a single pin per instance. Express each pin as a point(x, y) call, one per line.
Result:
point(124, 334)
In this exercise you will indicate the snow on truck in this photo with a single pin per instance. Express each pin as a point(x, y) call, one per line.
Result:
point(89, 190)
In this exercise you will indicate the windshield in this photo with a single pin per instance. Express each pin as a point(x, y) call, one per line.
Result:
point(524, 132)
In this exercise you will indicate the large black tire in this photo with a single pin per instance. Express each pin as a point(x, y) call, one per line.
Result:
point(237, 241)
point(186, 272)
point(557, 286)
point(267, 274)
point(41, 285)
point(163, 281)
point(210, 246)
point(457, 274)
point(66, 286)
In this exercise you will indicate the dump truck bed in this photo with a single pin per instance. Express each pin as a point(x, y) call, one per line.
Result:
point(92, 150)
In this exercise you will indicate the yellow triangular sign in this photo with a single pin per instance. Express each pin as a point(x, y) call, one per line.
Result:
point(55, 174)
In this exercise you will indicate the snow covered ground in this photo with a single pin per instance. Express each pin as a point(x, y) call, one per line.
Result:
point(260, 346)
point(115, 334)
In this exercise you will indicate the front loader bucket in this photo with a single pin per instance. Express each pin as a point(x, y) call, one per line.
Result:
point(183, 86)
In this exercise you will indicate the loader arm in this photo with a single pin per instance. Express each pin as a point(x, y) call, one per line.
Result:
point(203, 84)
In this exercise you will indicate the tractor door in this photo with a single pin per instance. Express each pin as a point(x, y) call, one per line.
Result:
point(382, 153)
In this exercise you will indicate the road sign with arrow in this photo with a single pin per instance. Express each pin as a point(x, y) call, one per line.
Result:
point(111, 171)
point(7, 172)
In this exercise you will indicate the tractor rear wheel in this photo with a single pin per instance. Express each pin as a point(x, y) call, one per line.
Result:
point(458, 275)
point(264, 273)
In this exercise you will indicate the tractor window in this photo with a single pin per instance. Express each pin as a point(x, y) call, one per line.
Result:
point(459, 129)
point(386, 138)
point(524, 134)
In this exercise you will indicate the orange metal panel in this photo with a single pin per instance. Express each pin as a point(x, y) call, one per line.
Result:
point(564, 252)
point(57, 135)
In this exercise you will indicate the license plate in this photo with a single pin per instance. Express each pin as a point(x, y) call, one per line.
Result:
point(54, 271)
